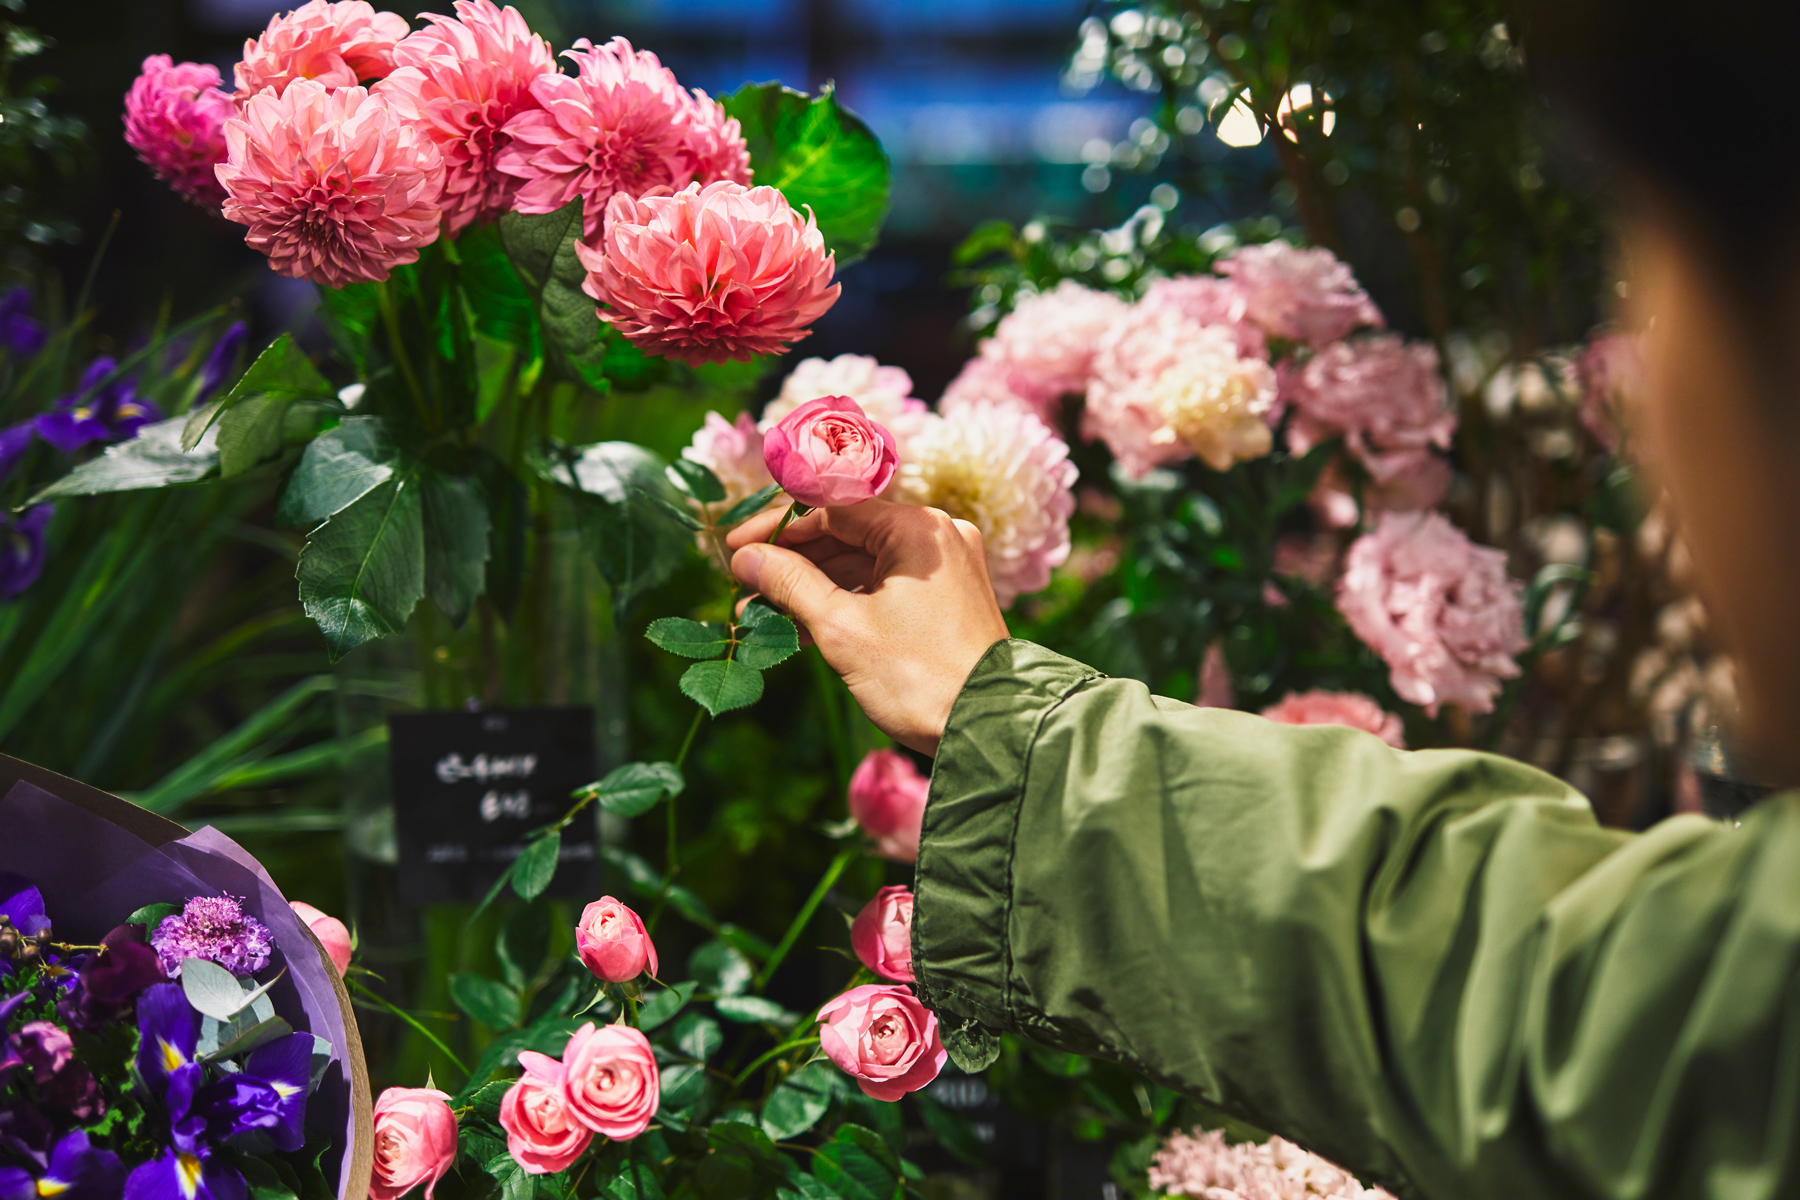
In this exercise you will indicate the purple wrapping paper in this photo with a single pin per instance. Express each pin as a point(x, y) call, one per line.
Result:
point(94, 873)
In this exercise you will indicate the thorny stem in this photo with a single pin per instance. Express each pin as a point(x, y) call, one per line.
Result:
point(838, 864)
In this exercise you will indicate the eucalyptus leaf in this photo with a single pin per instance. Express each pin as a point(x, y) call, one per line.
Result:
point(362, 571)
point(486, 1000)
point(634, 789)
point(211, 989)
point(690, 639)
point(722, 685)
point(537, 866)
point(152, 459)
point(261, 1033)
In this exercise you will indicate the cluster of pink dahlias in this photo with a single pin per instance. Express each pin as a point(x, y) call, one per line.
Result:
point(1308, 296)
point(175, 118)
point(1041, 351)
point(1204, 1165)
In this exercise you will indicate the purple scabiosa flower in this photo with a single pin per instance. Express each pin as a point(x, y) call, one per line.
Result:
point(268, 1094)
point(18, 332)
point(220, 363)
point(101, 409)
point(217, 929)
point(22, 549)
point(168, 1031)
point(77, 1170)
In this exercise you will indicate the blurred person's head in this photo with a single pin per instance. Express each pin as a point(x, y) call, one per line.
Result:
point(1695, 109)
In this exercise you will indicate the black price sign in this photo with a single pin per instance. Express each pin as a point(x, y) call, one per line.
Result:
point(468, 787)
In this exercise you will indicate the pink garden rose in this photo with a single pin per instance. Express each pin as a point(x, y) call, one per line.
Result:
point(732, 450)
point(175, 116)
point(884, 1037)
point(1438, 608)
point(622, 125)
point(338, 43)
point(542, 1133)
point(1339, 708)
point(612, 943)
point(887, 799)
point(415, 1141)
point(329, 930)
point(710, 273)
point(881, 935)
point(333, 185)
point(1385, 397)
point(461, 79)
point(1301, 295)
point(828, 453)
point(610, 1080)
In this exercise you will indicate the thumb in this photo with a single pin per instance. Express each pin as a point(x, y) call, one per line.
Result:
point(787, 580)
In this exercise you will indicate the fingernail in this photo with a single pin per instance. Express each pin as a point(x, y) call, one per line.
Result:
point(747, 565)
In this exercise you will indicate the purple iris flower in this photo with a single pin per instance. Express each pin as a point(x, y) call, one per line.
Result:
point(168, 1031)
point(187, 1170)
point(97, 411)
point(223, 358)
point(22, 549)
point(22, 904)
point(18, 332)
point(269, 1094)
point(78, 1170)
point(26, 1134)
point(14, 442)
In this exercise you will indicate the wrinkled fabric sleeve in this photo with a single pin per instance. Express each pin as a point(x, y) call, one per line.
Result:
point(1432, 967)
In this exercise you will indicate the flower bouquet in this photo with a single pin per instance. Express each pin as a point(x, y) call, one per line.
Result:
point(170, 1029)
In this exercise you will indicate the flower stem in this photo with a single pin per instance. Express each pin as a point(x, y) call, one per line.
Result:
point(838, 864)
point(360, 989)
point(674, 852)
point(770, 1055)
point(385, 295)
point(796, 509)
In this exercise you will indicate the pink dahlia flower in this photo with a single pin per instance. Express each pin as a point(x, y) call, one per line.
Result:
point(1339, 708)
point(884, 393)
point(1301, 295)
point(622, 125)
point(1048, 341)
point(710, 273)
point(1210, 300)
point(333, 185)
point(175, 116)
point(1207, 1167)
point(991, 381)
point(1386, 398)
point(1007, 473)
point(732, 450)
point(1438, 608)
point(461, 80)
point(338, 43)
point(1611, 374)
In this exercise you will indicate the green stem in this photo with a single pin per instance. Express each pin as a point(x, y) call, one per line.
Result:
point(777, 1052)
point(838, 864)
point(631, 1009)
point(389, 317)
point(674, 852)
point(358, 987)
point(830, 700)
point(796, 509)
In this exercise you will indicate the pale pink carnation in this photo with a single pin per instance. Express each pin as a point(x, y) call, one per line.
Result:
point(1165, 389)
point(1210, 300)
point(338, 43)
point(1339, 708)
point(1438, 608)
point(175, 116)
point(710, 273)
point(732, 450)
point(884, 393)
point(623, 125)
point(1386, 398)
point(333, 185)
point(990, 381)
point(1008, 474)
point(1207, 1167)
point(1422, 484)
point(1611, 374)
point(461, 80)
point(1301, 295)
point(1048, 341)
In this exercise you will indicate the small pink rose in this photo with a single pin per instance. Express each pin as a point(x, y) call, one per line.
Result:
point(612, 943)
point(329, 930)
point(881, 935)
point(542, 1135)
point(827, 453)
point(887, 798)
point(884, 1037)
point(610, 1080)
point(415, 1141)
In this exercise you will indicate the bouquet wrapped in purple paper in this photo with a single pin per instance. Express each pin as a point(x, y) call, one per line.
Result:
point(170, 1029)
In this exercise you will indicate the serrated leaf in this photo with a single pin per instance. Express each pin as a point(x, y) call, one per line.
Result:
point(820, 155)
point(682, 1084)
point(659, 1007)
point(542, 249)
point(753, 1010)
point(722, 685)
point(152, 459)
point(690, 639)
point(749, 506)
point(697, 1036)
point(337, 468)
point(721, 968)
point(634, 789)
point(515, 1182)
point(634, 542)
point(486, 1100)
point(456, 543)
point(362, 571)
point(773, 639)
point(486, 1000)
point(537, 866)
point(701, 483)
point(798, 1102)
point(251, 431)
point(282, 372)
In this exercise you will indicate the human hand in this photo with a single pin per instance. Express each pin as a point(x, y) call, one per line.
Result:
point(896, 596)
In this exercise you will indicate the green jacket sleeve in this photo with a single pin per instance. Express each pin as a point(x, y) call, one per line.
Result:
point(1434, 968)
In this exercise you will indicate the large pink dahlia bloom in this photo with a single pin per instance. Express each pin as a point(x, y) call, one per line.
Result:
point(333, 185)
point(338, 43)
point(461, 80)
point(1385, 396)
point(1302, 295)
point(175, 118)
point(622, 125)
point(1438, 608)
point(710, 273)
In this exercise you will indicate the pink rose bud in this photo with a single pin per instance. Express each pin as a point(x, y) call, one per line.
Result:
point(884, 1037)
point(828, 453)
point(881, 935)
point(415, 1141)
point(887, 798)
point(542, 1135)
point(610, 1080)
point(329, 930)
point(612, 943)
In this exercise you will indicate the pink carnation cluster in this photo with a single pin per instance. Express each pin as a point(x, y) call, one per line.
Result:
point(1205, 1166)
point(1440, 610)
point(1308, 296)
point(1041, 351)
point(175, 116)
point(1387, 399)
point(884, 393)
point(336, 43)
point(622, 125)
point(710, 273)
point(1339, 708)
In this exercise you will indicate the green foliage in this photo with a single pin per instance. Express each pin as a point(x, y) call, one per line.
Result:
point(660, 1007)
point(486, 1000)
point(363, 570)
point(800, 1100)
point(822, 157)
point(722, 685)
point(621, 493)
point(153, 459)
point(536, 866)
point(634, 789)
point(280, 375)
point(690, 639)
point(542, 250)
point(456, 543)
point(338, 468)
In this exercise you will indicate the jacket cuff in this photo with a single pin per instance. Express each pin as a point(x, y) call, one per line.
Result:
point(963, 887)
